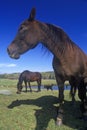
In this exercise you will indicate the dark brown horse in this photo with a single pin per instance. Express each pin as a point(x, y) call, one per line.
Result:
point(27, 77)
point(69, 62)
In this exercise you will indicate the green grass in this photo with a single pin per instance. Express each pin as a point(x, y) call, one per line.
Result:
point(36, 111)
point(10, 82)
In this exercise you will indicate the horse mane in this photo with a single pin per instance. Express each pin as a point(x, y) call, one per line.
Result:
point(58, 34)
point(59, 37)
point(20, 78)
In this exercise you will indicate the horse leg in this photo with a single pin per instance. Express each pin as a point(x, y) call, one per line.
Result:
point(51, 89)
point(61, 101)
point(39, 85)
point(29, 86)
point(72, 93)
point(25, 86)
point(73, 90)
point(84, 103)
point(60, 82)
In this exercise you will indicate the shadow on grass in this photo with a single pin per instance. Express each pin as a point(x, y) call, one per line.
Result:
point(48, 111)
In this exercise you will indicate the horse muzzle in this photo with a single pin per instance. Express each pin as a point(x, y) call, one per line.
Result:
point(18, 92)
point(13, 55)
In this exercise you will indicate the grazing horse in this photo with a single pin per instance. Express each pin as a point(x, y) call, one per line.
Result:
point(69, 61)
point(28, 76)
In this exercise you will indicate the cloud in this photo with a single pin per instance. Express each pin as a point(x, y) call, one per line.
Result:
point(11, 65)
point(7, 65)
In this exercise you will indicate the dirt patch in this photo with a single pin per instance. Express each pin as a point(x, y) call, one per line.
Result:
point(5, 92)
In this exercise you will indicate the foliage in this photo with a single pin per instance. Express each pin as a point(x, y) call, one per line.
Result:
point(9, 76)
point(48, 75)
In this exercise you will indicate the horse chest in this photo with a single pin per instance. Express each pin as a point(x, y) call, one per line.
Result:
point(66, 69)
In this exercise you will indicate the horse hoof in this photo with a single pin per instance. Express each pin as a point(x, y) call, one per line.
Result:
point(18, 92)
point(38, 90)
point(59, 122)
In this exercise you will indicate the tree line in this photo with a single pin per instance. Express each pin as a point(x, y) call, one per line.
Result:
point(45, 75)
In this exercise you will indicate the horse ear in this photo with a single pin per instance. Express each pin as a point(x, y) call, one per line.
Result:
point(32, 14)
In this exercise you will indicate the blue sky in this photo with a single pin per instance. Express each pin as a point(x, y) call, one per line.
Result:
point(71, 15)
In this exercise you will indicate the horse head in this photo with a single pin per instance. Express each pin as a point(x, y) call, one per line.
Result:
point(19, 88)
point(26, 38)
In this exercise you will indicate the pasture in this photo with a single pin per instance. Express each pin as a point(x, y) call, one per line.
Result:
point(36, 111)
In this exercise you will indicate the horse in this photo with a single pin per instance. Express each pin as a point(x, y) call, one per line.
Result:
point(27, 77)
point(69, 61)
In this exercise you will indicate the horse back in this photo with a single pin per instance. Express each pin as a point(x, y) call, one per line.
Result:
point(30, 76)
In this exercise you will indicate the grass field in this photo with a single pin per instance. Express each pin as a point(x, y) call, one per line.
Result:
point(36, 110)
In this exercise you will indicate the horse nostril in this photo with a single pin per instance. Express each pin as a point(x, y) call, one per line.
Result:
point(10, 52)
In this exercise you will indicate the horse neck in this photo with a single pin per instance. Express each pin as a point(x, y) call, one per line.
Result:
point(20, 79)
point(54, 38)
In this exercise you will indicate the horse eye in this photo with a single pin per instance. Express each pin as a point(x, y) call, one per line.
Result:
point(20, 28)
